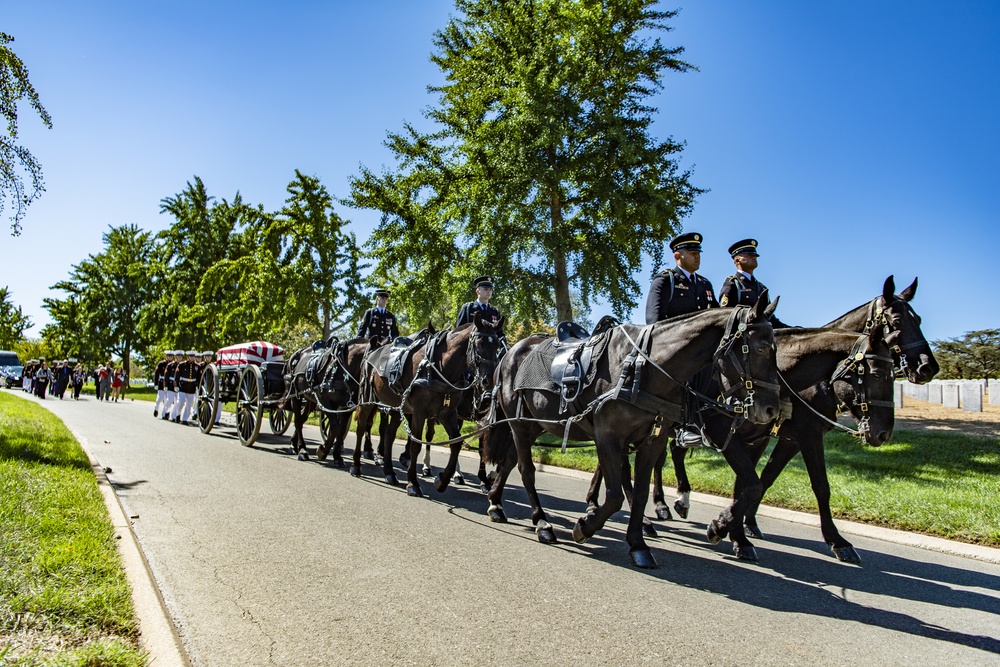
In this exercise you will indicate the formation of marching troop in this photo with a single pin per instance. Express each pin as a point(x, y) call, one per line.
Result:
point(176, 379)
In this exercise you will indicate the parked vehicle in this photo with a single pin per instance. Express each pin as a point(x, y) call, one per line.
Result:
point(11, 375)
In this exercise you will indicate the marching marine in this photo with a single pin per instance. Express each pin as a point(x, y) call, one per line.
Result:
point(186, 378)
point(379, 322)
point(159, 379)
point(169, 371)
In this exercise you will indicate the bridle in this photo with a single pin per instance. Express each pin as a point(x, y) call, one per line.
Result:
point(877, 316)
point(852, 370)
point(736, 326)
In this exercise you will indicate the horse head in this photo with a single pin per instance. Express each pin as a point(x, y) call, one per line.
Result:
point(746, 362)
point(864, 383)
point(911, 352)
point(484, 351)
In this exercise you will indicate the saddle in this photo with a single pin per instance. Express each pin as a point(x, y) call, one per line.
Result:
point(391, 360)
point(564, 364)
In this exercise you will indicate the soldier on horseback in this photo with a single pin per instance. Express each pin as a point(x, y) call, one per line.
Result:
point(679, 291)
point(484, 292)
point(379, 322)
point(742, 288)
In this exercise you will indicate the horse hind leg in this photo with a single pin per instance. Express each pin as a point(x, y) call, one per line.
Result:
point(659, 503)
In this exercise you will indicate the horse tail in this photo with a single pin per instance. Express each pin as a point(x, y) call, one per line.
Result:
point(498, 441)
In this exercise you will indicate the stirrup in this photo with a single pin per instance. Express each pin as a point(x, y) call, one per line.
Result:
point(689, 436)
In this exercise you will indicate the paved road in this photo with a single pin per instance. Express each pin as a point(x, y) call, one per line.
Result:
point(265, 560)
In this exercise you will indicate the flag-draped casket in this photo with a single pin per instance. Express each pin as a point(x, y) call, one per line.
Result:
point(242, 354)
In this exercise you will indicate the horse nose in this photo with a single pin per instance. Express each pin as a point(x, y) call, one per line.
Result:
point(880, 438)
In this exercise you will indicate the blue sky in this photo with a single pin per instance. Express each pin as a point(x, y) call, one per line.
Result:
point(854, 140)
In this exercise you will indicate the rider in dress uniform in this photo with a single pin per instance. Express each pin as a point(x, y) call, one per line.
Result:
point(186, 378)
point(742, 288)
point(679, 291)
point(484, 292)
point(159, 380)
point(379, 322)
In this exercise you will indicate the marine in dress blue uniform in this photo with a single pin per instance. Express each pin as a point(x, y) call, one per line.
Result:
point(379, 322)
point(742, 288)
point(680, 290)
point(484, 292)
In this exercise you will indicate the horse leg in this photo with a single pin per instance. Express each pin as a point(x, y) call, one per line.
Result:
point(524, 438)
point(647, 525)
point(815, 460)
point(609, 458)
point(594, 491)
point(452, 428)
point(338, 440)
point(413, 451)
point(365, 416)
point(386, 437)
point(298, 436)
point(749, 488)
point(481, 474)
point(784, 451)
point(659, 502)
point(683, 502)
point(645, 458)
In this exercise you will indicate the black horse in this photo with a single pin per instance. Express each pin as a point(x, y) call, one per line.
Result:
point(912, 357)
point(624, 405)
point(820, 369)
point(309, 375)
point(435, 380)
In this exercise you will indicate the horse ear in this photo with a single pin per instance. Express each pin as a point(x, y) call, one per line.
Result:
point(498, 325)
point(911, 291)
point(477, 319)
point(771, 308)
point(430, 327)
point(889, 289)
point(758, 311)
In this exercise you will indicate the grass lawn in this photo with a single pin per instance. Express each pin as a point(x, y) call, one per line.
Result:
point(64, 598)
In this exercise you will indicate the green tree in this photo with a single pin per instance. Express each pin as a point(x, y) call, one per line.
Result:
point(13, 321)
point(320, 260)
point(105, 294)
point(541, 169)
point(15, 160)
point(972, 356)
point(204, 235)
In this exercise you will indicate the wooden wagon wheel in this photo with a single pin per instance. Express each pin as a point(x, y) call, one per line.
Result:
point(248, 405)
point(208, 398)
point(324, 426)
point(279, 418)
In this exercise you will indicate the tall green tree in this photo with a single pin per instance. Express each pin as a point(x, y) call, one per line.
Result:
point(13, 321)
point(105, 292)
point(16, 161)
point(972, 356)
point(541, 168)
point(204, 234)
point(320, 259)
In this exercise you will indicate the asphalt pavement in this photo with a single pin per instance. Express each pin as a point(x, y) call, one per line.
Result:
point(261, 559)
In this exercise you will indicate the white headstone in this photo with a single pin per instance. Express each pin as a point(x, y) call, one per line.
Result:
point(920, 392)
point(994, 392)
point(934, 392)
point(949, 395)
point(908, 388)
point(897, 394)
point(972, 396)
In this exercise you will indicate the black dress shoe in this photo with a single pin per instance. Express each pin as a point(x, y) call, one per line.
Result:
point(155, 413)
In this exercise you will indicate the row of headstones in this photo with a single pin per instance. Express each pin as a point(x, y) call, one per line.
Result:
point(964, 394)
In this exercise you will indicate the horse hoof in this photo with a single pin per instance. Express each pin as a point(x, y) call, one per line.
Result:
point(391, 480)
point(663, 512)
point(303, 456)
point(491, 477)
point(321, 454)
point(546, 535)
point(716, 532)
point(484, 487)
point(847, 555)
point(496, 514)
point(355, 471)
point(441, 483)
point(682, 510)
point(458, 479)
point(338, 463)
point(647, 528)
point(579, 536)
point(753, 531)
point(747, 553)
point(414, 491)
point(404, 460)
point(368, 454)
point(426, 471)
point(643, 558)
